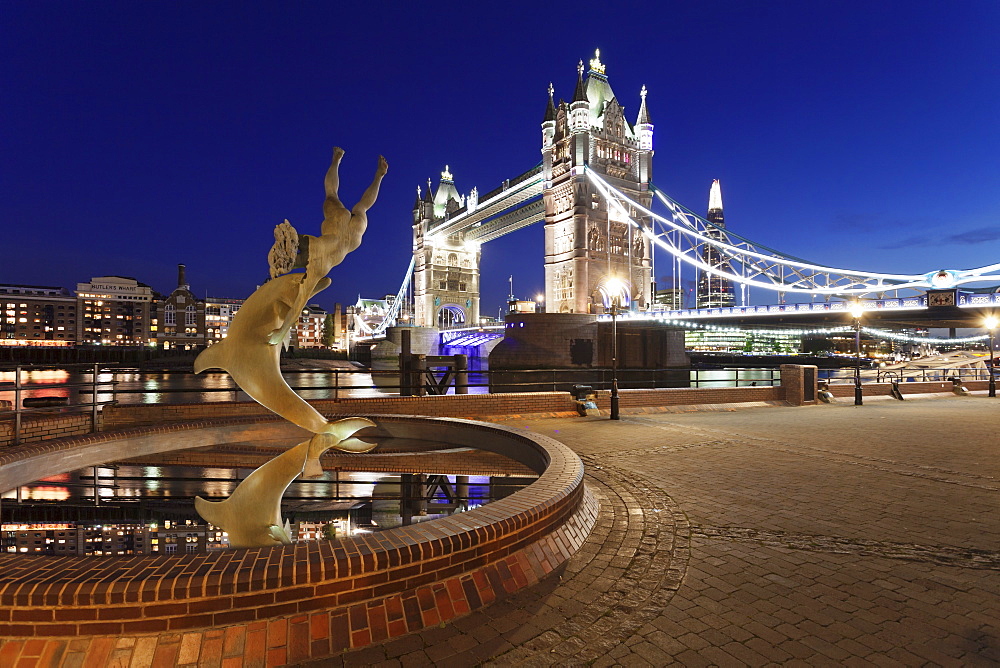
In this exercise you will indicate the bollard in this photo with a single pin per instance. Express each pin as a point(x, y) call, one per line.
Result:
point(957, 387)
point(461, 374)
point(405, 360)
point(583, 396)
point(824, 393)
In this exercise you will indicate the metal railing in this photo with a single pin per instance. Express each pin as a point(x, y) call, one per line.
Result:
point(364, 382)
point(94, 393)
point(21, 405)
point(928, 375)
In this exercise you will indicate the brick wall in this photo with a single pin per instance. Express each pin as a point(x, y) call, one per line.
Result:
point(472, 406)
point(43, 427)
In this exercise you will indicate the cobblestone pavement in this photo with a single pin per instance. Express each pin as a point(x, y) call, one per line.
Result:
point(827, 535)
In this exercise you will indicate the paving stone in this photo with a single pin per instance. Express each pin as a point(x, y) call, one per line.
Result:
point(800, 536)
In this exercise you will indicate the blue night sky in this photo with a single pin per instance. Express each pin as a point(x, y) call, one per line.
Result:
point(138, 135)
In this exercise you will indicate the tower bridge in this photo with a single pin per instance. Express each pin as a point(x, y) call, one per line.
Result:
point(594, 193)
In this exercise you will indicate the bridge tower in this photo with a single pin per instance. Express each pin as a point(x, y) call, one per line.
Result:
point(446, 268)
point(586, 245)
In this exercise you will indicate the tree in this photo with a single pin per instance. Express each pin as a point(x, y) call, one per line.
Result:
point(329, 335)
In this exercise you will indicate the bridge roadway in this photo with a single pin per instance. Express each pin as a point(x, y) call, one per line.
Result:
point(898, 313)
point(829, 535)
point(518, 199)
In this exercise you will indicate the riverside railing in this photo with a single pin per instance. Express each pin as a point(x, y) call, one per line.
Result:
point(121, 384)
point(29, 395)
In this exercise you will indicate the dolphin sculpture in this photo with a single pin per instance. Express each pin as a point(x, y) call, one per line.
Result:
point(252, 513)
point(254, 363)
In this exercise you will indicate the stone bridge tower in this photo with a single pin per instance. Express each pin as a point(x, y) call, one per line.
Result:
point(586, 245)
point(446, 269)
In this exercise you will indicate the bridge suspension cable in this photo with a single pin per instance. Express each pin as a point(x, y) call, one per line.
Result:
point(392, 316)
point(684, 234)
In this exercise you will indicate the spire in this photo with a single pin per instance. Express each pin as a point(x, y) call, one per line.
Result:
point(580, 94)
point(715, 197)
point(416, 203)
point(596, 66)
point(550, 110)
point(643, 111)
point(427, 195)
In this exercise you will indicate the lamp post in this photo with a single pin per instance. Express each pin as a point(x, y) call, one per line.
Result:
point(991, 325)
point(614, 288)
point(540, 301)
point(857, 312)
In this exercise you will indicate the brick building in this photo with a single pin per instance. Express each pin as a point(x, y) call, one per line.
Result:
point(37, 315)
point(180, 318)
point(113, 310)
point(309, 328)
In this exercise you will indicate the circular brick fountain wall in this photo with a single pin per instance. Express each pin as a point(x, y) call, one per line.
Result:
point(293, 603)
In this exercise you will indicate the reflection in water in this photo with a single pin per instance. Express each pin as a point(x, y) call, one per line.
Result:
point(38, 383)
point(144, 502)
point(734, 377)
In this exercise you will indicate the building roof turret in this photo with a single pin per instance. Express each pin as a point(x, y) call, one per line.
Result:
point(643, 116)
point(580, 94)
point(550, 109)
point(446, 191)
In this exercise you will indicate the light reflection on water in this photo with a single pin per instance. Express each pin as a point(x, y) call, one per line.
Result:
point(183, 483)
point(134, 387)
point(43, 383)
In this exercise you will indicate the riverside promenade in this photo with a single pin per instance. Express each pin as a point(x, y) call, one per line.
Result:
point(824, 535)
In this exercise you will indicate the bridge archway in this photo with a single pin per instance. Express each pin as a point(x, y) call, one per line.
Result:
point(451, 315)
point(607, 291)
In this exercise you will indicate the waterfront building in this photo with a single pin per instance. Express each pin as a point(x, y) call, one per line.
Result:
point(180, 318)
point(714, 290)
point(671, 299)
point(591, 250)
point(37, 315)
point(219, 314)
point(308, 332)
point(113, 310)
point(747, 341)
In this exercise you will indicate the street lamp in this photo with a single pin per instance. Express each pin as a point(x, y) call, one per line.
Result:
point(614, 288)
point(540, 300)
point(857, 312)
point(991, 325)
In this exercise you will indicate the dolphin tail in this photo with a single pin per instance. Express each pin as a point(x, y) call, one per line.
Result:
point(212, 357)
point(209, 510)
point(338, 436)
